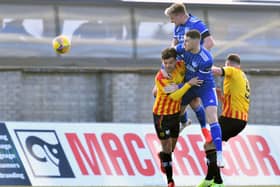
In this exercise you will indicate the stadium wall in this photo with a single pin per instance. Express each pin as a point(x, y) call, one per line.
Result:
point(72, 95)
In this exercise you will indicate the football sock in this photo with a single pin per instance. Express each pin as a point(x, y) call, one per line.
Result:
point(207, 135)
point(211, 164)
point(200, 114)
point(216, 135)
point(167, 163)
point(213, 170)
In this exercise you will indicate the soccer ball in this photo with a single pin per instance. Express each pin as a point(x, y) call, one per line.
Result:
point(61, 44)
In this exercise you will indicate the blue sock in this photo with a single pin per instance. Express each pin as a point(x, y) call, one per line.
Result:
point(184, 118)
point(200, 114)
point(216, 135)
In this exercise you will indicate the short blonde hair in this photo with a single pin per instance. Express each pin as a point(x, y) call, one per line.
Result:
point(175, 8)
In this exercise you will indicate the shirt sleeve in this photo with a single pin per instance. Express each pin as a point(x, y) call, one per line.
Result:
point(205, 34)
point(178, 94)
point(160, 82)
point(228, 71)
point(202, 28)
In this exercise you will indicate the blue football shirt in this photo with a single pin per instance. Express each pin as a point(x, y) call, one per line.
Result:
point(192, 23)
point(198, 64)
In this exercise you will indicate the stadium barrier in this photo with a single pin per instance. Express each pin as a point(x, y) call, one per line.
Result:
point(120, 154)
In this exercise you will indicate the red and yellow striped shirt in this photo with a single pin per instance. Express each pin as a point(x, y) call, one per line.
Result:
point(236, 94)
point(164, 104)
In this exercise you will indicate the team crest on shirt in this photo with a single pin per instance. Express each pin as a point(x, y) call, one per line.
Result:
point(167, 132)
point(194, 64)
point(190, 68)
point(161, 134)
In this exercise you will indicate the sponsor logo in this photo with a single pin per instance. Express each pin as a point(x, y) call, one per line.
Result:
point(12, 171)
point(189, 155)
point(191, 68)
point(195, 64)
point(44, 153)
point(167, 132)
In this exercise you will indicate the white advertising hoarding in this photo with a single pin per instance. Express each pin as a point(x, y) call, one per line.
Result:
point(117, 154)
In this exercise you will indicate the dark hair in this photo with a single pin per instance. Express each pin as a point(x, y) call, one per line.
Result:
point(168, 53)
point(193, 34)
point(235, 58)
point(175, 8)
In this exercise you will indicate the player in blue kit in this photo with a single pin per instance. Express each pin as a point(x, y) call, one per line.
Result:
point(184, 22)
point(199, 61)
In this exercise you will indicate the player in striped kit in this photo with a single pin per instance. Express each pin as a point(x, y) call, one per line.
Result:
point(167, 106)
point(236, 101)
point(235, 98)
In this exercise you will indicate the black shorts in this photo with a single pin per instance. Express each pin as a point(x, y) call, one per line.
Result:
point(167, 126)
point(230, 127)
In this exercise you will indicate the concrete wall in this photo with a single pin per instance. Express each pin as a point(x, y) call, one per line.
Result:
point(74, 96)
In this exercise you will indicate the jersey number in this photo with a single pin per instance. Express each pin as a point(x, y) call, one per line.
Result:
point(247, 93)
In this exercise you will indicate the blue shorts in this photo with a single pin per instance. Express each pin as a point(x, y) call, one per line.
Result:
point(206, 93)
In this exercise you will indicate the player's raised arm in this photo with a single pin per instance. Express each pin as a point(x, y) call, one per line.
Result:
point(178, 94)
point(206, 38)
point(208, 42)
point(217, 71)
